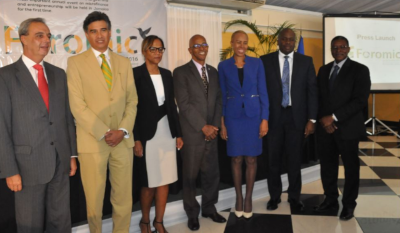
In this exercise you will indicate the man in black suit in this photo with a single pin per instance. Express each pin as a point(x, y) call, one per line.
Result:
point(293, 97)
point(344, 87)
point(199, 101)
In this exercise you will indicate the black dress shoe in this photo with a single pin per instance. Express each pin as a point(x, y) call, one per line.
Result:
point(215, 217)
point(296, 204)
point(273, 204)
point(347, 214)
point(193, 224)
point(327, 206)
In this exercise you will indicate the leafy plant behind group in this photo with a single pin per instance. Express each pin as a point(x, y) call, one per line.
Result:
point(267, 42)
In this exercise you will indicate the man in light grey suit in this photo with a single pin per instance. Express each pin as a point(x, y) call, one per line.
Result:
point(37, 136)
point(200, 108)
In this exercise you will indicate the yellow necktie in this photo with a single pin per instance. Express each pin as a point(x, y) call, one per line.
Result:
point(105, 68)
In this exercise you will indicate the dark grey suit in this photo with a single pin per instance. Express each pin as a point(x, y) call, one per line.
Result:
point(37, 145)
point(195, 111)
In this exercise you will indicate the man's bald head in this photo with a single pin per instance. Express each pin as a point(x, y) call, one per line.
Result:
point(286, 41)
point(193, 38)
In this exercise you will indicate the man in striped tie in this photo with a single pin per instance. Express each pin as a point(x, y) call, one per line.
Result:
point(103, 101)
point(293, 106)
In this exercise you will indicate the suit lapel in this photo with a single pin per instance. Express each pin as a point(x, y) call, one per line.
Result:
point(51, 81)
point(296, 66)
point(234, 74)
point(165, 82)
point(277, 68)
point(148, 82)
point(29, 84)
point(94, 67)
point(196, 75)
point(342, 73)
point(115, 69)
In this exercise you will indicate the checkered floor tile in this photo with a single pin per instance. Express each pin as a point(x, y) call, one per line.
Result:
point(378, 209)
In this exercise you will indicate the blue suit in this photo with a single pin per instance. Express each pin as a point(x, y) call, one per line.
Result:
point(243, 106)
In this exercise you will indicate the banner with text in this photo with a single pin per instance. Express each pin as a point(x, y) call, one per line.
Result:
point(131, 22)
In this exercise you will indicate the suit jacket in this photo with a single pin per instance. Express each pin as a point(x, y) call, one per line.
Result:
point(348, 97)
point(303, 90)
point(146, 120)
point(30, 136)
point(196, 108)
point(253, 94)
point(96, 110)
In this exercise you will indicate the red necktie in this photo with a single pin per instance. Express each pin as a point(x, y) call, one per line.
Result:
point(42, 84)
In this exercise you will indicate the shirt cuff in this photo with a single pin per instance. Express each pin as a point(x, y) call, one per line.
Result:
point(126, 133)
point(313, 121)
point(74, 156)
point(334, 117)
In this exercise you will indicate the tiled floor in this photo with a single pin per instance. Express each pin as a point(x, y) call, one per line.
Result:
point(378, 209)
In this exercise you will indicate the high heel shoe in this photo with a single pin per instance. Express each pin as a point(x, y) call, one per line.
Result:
point(162, 224)
point(147, 224)
point(238, 214)
point(247, 215)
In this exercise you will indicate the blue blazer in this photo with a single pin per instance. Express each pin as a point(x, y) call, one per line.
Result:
point(253, 94)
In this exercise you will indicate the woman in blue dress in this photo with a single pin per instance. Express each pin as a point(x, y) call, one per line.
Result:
point(244, 116)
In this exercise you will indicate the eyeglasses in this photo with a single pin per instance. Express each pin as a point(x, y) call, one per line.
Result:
point(340, 47)
point(197, 46)
point(154, 49)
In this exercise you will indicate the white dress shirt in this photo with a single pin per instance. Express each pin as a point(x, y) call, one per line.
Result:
point(29, 64)
point(159, 88)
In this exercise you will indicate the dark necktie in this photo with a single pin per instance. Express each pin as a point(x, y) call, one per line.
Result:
point(42, 85)
point(285, 83)
point(333, 77)
point(204, 78)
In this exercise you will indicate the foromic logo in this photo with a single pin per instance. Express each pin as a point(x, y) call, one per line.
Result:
point(73, 39)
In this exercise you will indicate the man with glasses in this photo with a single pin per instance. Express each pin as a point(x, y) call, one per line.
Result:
point(344, 87)
point(103, 101)
point(200, 107)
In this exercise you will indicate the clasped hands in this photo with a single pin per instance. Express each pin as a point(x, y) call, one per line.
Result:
point(114, 137)
point(210, 132)
point(328, 123)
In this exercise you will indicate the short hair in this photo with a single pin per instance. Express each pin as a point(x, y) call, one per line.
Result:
point(286, 29)
point(339, 38)
point(96, 16)
point(237, 32)
point(149, 40)
point(24, 26)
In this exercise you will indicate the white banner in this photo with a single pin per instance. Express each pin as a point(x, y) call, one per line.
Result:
point(131, 21)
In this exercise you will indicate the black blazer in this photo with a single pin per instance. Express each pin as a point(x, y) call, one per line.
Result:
point(304, 90)
point(147, 108)
point(348, 98)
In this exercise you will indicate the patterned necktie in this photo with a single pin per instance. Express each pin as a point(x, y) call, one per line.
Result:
point(204, 78)
point(105, 68)
point(42, 85)
point(333, 77)
point(285, 83)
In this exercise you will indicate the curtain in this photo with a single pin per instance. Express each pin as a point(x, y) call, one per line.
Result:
point(182, 24)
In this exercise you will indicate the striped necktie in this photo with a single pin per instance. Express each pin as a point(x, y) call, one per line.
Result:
point(105, 68)
point(285, 83)
point(204, 79)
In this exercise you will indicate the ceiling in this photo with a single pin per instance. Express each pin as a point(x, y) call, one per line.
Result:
point(339, 6)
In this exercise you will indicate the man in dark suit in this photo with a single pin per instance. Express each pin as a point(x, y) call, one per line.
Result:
point(200, 108)
point(38, 134)
point(293, 101)
point(344, 87)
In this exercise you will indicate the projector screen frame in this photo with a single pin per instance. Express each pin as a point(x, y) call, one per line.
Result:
point(372, 14)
